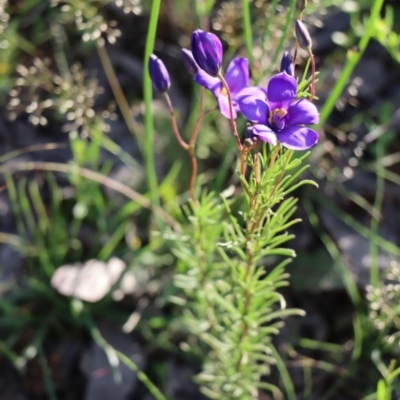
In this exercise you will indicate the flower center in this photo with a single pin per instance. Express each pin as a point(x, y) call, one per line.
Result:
point(223, 91)
point(276, 118)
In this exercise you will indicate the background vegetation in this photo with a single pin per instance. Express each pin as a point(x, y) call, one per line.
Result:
point(90, 170)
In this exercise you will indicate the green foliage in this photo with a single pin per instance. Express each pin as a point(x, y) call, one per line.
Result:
point(219, 261)
point(232, 304)
point(385, 33)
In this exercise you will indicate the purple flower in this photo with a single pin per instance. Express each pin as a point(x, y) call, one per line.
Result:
point(287, 64)
point(302, 35)
point(237, 78)
point(207, 51)
point(189, 61)
point(159, 74)
point(278, 117)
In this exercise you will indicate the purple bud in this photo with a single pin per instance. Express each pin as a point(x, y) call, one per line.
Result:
point(287, 64)
point(189, 62)
point(207, 51)
point(159, 74)
point(302, 35)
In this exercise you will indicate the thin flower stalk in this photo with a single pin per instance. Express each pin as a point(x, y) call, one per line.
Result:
point(312, 86)
point(161, 83)
point(192, 144)
point(175, 128)
point(189, 147)
point(233, 126)
point(231, 119)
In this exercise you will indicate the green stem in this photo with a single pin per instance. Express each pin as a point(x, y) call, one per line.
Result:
point(47, 380)
point(265, 33)
point(247, 30)
point(312, 86)
point(119, 94)
point(113, 353)
point(148, 117)
point(352, 61)
point(284, 373)
point(289, 19)
point(345, 275)
point(380, 181)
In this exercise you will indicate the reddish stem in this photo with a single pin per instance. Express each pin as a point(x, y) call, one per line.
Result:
point(233, 126)
point(312, 87)
point(178, 136)
point(193, 176)
point(198, 121)
point(188, 147)
point(243, 163)
point(231, 119)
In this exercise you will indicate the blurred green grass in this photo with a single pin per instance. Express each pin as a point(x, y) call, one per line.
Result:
point(48, 230)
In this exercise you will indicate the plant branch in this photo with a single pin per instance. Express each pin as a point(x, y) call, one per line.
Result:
point(175, 128)
point(312, 86)
point(119, 94)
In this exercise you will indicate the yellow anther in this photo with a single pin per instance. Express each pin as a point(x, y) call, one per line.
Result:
point(278, 112)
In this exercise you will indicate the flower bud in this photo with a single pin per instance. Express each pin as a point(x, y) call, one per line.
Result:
point(189, 62)
point(287, 64)
point(159, 74)
point(207, 51)
point(302, 35)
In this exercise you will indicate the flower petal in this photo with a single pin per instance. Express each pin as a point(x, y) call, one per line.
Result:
point(302, 112)
point(281, 91)
point(297, 138)
point(189, 61)
point(237, 75)
point(264, 133)
point(254, 108)
point(252, 91)
point(224, 107)
point(209, 82)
